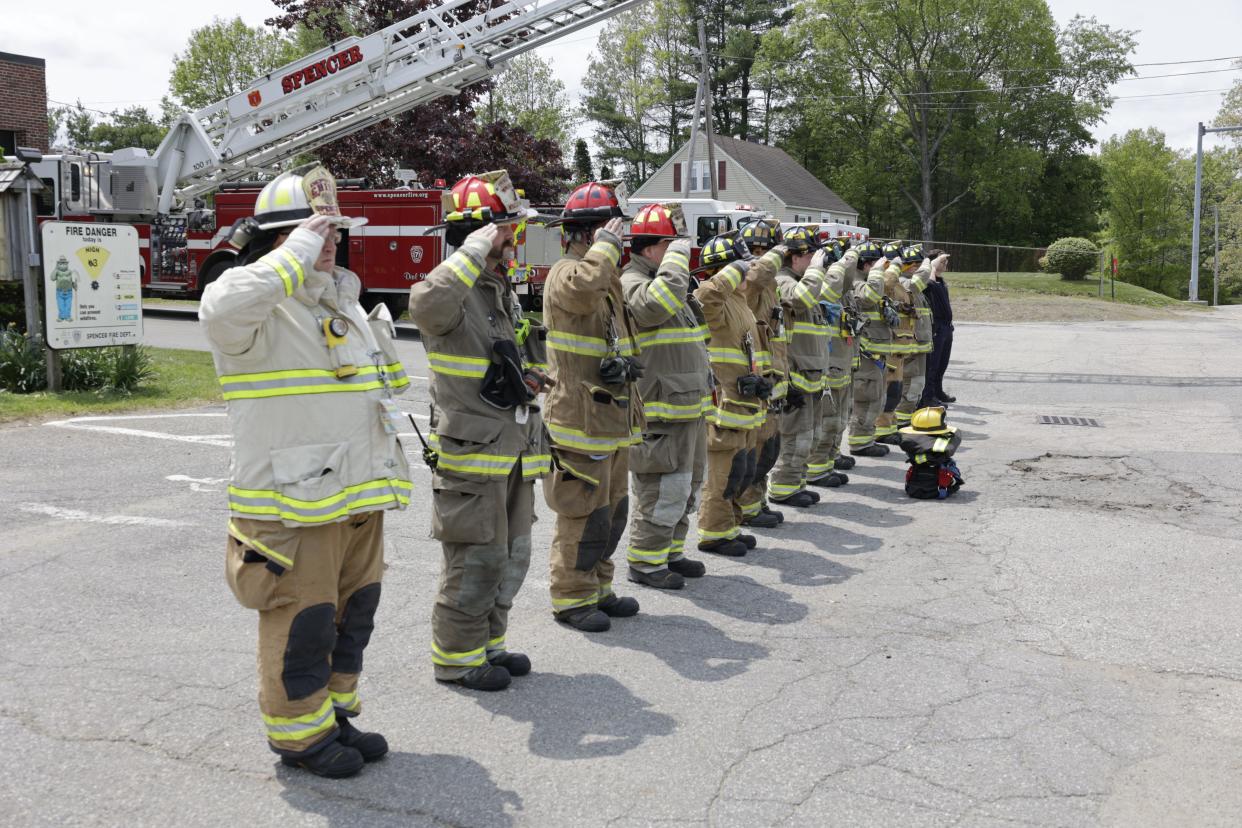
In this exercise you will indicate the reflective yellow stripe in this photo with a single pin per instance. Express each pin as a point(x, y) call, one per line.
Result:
point(496, 645)
point(728, 356)
point(464, 267)
point(586, 345)
point(267, 551)
point(606, 249)
point(803, 294)
point(837, 382)
point(458, 366)
point(297, 381)
point(671, 336)
point(861, 439)
point(656, 410)
point(676, 259)
point(752, 509)
point(536, 465)
point(652, 557)
point(287, 267)
point(728, 534)
point(724, 418)
point(802, 383)
point(810, 329)
point(562, 604)
point(382, 492)
point(348, 702)
point(493, 465)
point(298, 728)
point(445, 658)
point(575, 438)
point(665, 296)
point(941, 444)
point(733, 274)
point(783, 490)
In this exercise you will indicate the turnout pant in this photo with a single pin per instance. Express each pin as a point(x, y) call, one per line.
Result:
point(914, 374)
point(868, 402)
point(731, 463)
point(316, 590)
point(767, 449)
point(590, 496)
point(484, 530)
point(836, 408)
point(799, 432)
point(886, 423)
point(666, 473)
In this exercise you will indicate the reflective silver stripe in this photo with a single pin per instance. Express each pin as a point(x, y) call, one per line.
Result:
point(247, 502)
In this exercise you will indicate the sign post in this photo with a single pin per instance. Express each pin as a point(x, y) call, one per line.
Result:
point(93, 283)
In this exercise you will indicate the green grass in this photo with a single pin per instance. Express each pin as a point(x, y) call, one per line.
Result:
point(182, 378)
point(1052, 284)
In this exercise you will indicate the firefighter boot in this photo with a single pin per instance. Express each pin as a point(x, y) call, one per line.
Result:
point(873, 450)
point(732, 548)
point(372, 746)
point(687, 568)
point(844, 463)
point(485, 677)
point(659, 579)
point(586, 619)
point(333, 761)
point(830, 481)
point(749, 540)
point(617, 607)
point(518, 664)
point(780, 516)
point(763, 520)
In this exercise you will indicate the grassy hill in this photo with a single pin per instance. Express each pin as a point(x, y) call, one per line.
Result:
point(1053, 285)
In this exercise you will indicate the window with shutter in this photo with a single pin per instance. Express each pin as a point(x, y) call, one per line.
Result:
point(677, 177)
point(720, 175)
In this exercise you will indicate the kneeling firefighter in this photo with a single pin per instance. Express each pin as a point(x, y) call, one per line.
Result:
point(760, 236)
point(930, 443)
point(310, 381)
point(676, 388)
point(593, 413)
point(487, 440)
point(741, 394)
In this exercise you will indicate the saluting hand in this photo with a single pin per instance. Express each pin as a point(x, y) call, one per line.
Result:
point(613, 226)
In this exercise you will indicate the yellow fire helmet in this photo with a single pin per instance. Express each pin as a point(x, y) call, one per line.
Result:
point(298, 194)
point(930, 420)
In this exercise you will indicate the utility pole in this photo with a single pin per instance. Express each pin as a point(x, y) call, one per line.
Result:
point(694, 137)
point(1216, 258)
point(1194, 235)
point(705, 81)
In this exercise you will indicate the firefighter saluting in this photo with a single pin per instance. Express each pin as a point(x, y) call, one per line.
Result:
point(676, 389)
point(310, 380)
point(487, 434)
point(593, 413)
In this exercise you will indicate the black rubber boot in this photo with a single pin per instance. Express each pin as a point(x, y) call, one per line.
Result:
point(763, 520)
point(946, 398)
point(729, 548)
point(516, 663)
point(372, 746)
point(873, 450)
point(830, 481)
point(486, 677)
point(749, 540)
point(334, 761)
point(617, 607)
point(890, 439)
point(844, 463)
point(586, 619)
point(780, 516)
point(660, 579)
point(687, 568)
point(800, 500)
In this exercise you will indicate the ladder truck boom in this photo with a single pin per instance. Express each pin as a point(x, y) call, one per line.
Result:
point(350, 85)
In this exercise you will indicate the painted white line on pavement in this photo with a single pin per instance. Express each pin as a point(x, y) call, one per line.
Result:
point(198, 484)
point(138, 417)
point(86, 517)
point(198, 439)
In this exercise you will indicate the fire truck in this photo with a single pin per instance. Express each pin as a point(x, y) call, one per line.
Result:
point(226, 147)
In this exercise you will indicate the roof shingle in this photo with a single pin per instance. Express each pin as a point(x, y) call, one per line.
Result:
point(788, 180)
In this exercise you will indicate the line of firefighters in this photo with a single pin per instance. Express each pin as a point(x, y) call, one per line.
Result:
point(642, 379)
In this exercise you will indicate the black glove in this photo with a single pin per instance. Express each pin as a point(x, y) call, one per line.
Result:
point(795, 399)
point(753, 385)
point(504, 384)
point(617, 370)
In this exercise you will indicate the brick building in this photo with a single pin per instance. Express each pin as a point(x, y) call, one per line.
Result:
point(23, 102)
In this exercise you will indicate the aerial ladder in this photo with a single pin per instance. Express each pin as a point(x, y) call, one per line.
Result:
point(342, 88)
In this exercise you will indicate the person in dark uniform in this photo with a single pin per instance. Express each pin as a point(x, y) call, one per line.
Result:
point(937, 293)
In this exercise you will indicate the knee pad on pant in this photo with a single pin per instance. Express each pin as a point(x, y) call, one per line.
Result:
point(768, 452)
point(354, 632)
point(675, 491)
point(736, 481)
point(619, 519)
point(594, 542)
point(515, 570)
point(312, 635)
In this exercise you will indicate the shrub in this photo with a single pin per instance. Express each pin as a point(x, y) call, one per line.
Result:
point(1043, 264)
point(130, 368)
point(1072, 257)
point(22, 369)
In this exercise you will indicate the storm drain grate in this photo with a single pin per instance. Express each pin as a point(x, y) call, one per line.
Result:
point(1052, 419)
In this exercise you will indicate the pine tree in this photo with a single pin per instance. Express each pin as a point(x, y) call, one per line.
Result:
point(582, 162)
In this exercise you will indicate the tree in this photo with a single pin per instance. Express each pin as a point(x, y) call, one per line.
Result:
point(86, 130)
point(225, 56)
point(526, 93)
point(1147, 216)
point(440, 139)
point(582, 162)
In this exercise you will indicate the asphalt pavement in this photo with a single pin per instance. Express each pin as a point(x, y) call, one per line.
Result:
point(1057, 645)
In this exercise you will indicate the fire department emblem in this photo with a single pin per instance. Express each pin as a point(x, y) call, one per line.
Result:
point(416, 253)
point(255, 97)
